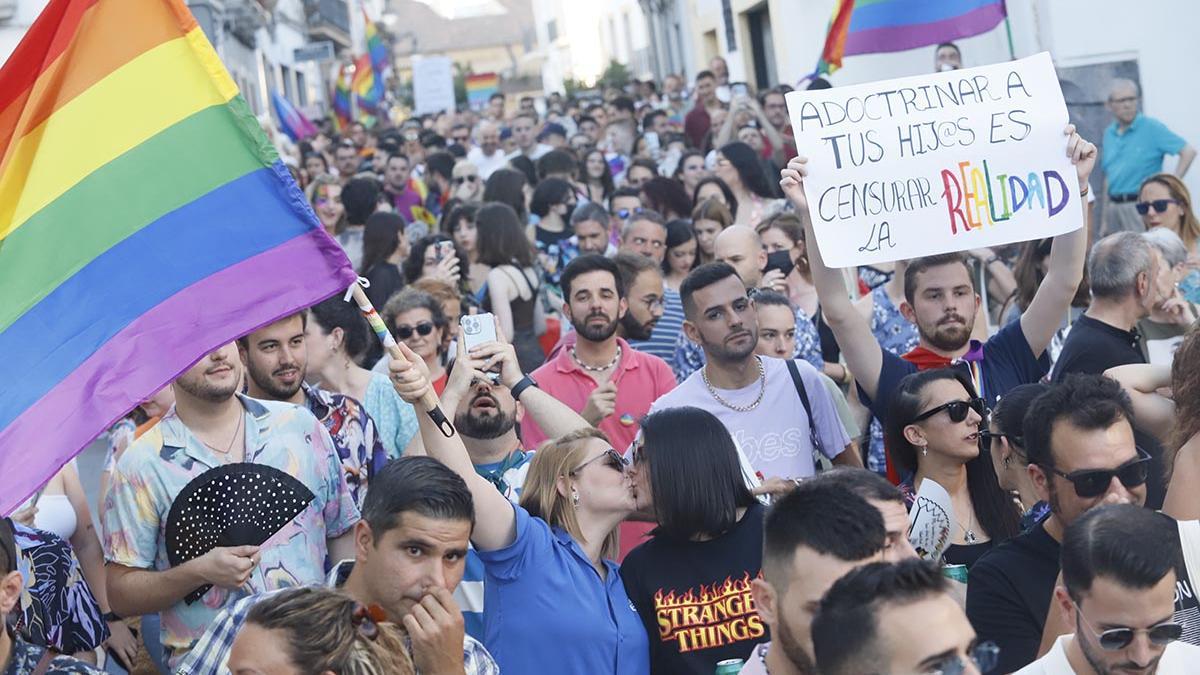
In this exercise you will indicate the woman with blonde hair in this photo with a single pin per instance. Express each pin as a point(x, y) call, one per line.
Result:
point(316, 630)
point(1164, 201)
point(553, 597)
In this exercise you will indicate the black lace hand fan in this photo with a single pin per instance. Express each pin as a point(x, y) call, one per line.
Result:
point(242, 504)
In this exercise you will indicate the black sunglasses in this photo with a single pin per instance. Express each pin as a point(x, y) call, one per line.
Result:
point(612, 460)
point(1093, 482)
point(956, 409)
point(1159, 206)
point(404, 332)
point(462, 179)
point(1115, 639)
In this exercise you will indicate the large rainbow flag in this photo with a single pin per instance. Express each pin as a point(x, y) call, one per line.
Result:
point(144, 221)
point(367, 84)
point(380, 59)
point(873, 26)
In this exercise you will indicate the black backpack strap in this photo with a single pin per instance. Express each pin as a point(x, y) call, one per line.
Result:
point(812, 423)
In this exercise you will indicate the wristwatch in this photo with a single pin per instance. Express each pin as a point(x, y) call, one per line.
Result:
point(520, 387)
point(110, 617)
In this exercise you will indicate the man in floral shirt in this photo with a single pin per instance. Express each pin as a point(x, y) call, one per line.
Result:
point(276, 362)
point(210, 426)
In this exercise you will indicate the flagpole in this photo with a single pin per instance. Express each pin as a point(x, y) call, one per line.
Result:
point(1012, 53)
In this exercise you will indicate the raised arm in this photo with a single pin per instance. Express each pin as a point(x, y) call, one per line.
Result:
point(1153, 411)
point(863, 354)
point(1065, 264)
point(495, 520)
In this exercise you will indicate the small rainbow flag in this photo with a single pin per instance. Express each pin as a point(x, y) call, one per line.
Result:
point(341, 100)
point(145, 220)
point(367, 84)
point(480, 87)
point(874, 26)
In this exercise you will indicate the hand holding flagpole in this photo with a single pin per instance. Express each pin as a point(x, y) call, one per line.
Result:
point(429, 401)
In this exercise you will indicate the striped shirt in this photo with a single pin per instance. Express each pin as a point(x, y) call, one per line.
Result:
point(667, 331)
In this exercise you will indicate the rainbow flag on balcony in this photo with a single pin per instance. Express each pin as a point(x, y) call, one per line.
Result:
point(874, 26)
point(145, 220)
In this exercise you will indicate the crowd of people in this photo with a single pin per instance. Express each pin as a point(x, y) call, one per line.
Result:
point(685, 444)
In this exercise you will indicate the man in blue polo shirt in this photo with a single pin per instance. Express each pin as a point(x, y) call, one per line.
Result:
point(1134, 147)
point(940, 299)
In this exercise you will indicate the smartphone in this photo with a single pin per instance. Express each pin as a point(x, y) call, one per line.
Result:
point(477, 329)
point(739, 89)
point(780, 260)
point(652, 142)
point(443, 250)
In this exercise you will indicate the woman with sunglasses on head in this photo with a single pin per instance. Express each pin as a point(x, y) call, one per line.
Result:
point(1004, 443)
point(595, 177)
point(688, 478)
point(417, 319)
point(553, 597)
point(932, 432)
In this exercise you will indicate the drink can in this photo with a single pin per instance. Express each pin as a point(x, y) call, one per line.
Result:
point(730, 667)
point(955, 572)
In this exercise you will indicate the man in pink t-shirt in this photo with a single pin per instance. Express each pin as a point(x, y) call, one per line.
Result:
point(600, 375)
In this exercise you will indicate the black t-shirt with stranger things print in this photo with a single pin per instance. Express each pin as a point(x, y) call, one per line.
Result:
point(694, 596)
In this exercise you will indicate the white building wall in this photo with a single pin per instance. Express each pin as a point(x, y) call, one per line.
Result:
point(12, 30)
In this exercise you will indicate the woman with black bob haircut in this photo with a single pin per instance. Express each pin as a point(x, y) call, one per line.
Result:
point(687, 475)
point(932, 432)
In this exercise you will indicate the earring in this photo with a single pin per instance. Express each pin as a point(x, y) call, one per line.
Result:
point(575, 498)
point(924, 450)
point(1007, 461)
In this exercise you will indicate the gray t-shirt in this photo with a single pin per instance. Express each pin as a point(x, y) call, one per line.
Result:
point(774, 436)
point(351, 240)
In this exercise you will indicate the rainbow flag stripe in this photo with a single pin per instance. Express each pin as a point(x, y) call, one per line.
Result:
point(896, 25)
point(380, 60)
point(367, 84)
point(144, 221)
point(341, 100)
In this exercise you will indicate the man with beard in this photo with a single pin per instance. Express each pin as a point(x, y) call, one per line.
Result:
point(1081, 452)
point(811, 538)
point(276, 361)
point(940, 299)
point(612, 383)
point(646, 325)
point(210, 426)
point(486, 415)
point(757, 398)
point(1120, 565)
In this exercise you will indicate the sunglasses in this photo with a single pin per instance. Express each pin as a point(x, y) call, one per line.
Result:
point(1115, 639)
point(611, 460)
point(987, 438)
point(956, 409)
point(985, 656)
point(405, 332)
point(1094, 482)
point(463, 179)
point(1159, 206)
point(624, 214)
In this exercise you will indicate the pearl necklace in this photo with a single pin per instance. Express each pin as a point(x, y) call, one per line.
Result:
point(762, 389)
point(597, 369)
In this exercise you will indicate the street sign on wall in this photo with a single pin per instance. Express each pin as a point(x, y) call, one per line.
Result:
point(314, 51)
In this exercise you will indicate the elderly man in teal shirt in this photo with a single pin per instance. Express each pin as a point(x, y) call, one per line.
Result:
point(1133, 150)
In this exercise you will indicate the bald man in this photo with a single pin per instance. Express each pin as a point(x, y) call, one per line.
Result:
point(487, 155)
point(741, 247)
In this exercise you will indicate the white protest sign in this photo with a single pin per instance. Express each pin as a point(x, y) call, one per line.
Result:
point(433, 84)
point(937, 163)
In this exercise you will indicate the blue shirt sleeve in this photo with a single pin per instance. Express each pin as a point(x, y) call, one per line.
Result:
point(1009, 361)
point(534, 540)
point(891, 371)
point(1166, 141)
